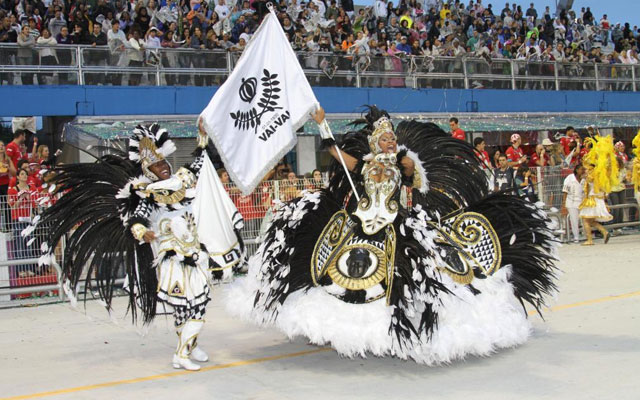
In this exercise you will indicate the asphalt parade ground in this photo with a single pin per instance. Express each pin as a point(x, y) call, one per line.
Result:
point(588, 347)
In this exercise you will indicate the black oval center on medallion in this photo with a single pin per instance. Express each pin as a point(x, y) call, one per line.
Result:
point(358, 262)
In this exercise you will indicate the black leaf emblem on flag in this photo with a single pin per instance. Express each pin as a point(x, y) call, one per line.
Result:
point(268, 101)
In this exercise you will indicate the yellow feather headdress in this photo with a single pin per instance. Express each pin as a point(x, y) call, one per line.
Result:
point(602, 159)
point(635, 175)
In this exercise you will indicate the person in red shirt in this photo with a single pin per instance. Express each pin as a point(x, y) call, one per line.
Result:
point(7, 170)
point(584, 150)
point(22, 201)
point(515, 154)
point(571, 136)
point(539, 158)
point(456, 132)
point(14, 147)
point(479, 147)
point(619, 146)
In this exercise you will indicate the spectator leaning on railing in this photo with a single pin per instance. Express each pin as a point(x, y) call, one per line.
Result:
point(22, 201)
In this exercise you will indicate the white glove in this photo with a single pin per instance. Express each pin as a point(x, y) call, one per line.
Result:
point(325, 130)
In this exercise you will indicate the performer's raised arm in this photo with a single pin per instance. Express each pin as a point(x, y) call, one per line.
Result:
point(327, 139)
point(203, 140)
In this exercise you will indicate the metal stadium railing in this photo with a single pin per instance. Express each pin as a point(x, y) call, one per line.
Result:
point(87, 65)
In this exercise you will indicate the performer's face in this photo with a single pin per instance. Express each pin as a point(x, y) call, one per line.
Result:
point(161, 169)
point(387, 143)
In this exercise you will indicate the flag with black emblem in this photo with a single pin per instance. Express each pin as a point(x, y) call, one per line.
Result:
point(254, 115)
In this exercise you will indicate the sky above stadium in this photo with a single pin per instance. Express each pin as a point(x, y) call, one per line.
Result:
point(617, 10)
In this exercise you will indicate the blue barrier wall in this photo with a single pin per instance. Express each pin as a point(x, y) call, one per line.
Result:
point(107, 100)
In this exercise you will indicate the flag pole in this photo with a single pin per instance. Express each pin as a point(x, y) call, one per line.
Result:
point(346, 170)
point(271, 9)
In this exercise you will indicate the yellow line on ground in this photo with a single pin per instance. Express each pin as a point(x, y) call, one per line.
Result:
point(587, 302)
point(264, 359)
point(167, 375)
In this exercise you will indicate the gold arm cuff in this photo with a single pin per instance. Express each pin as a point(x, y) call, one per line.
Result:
point(138, 231)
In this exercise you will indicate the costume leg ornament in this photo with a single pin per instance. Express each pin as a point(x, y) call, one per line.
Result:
point(197, 353)
point(587, 230)
point(188, 338)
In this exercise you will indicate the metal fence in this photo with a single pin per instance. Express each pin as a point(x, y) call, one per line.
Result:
point(21, 277)
point(80, 65)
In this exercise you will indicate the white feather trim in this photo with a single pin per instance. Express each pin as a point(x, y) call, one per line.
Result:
point(419, 169)
point(467, 323)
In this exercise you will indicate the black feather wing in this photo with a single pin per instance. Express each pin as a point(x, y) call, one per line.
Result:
point(90, 216)
point(452, 168)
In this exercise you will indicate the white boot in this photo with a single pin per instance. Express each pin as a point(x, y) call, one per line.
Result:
point(197, 353)
point(188, 340)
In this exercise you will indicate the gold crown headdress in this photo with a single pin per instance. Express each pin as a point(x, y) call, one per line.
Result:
point(381, 126)
point(149, 145)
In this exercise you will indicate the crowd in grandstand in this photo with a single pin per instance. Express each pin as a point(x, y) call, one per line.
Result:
point(132, 30)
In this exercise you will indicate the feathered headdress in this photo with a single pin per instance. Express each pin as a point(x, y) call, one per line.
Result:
point(149, 145)
point(635, 175)
point(602, 160)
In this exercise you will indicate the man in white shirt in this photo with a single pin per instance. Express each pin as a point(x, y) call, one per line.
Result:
point(222, 9)
point(572, 196)
point(117, 42)
point(380, 10)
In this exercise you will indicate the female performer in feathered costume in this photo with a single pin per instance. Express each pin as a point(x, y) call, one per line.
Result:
point(433, 276)
point(635, 171)
point(602, 174)
point(131, 211)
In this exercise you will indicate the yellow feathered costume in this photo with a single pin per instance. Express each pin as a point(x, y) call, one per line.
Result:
point(601, 163)
point(635, 175)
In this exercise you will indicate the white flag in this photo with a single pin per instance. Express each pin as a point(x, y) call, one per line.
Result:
point(253, 117)
point(217, 218)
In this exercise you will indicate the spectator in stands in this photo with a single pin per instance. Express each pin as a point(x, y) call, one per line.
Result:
point(97, 56)
point(47, 53)
point(540, 158)
point(525, 182)
point(317, 180)
point(26, 52)
point(504, 175)
point(64, 55)
point(515, 154)
point(556, 155)
point(135, 54)
point(495, 158)
point(619, 147)
point(7, 33)
point(14, 151)
point(117, 42)
point(396, 65)
point(479, 147)
point(44, 158)
point(22, 200)
point(7, 170)
point(57, 23)
point(605, 25)
point(456, 131)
